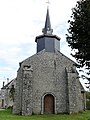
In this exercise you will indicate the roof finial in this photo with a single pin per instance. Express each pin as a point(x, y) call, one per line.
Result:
point(48, 2)
point(47, 29)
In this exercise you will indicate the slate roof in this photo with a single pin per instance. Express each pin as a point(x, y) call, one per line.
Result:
point(4, 87)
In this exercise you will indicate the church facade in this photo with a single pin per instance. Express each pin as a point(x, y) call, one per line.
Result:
point(48, 82)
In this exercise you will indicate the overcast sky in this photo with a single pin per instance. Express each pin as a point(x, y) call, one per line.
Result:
point(20, 22)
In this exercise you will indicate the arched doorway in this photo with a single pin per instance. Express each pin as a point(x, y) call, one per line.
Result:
point(49, 104)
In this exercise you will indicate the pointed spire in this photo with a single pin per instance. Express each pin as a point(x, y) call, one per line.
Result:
point(47, 29)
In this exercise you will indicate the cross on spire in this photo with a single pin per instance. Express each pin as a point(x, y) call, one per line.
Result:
point(48, 3)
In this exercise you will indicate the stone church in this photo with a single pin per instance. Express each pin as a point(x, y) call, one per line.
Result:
point(48, 82)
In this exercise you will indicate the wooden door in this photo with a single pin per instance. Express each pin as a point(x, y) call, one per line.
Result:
point(49, 104)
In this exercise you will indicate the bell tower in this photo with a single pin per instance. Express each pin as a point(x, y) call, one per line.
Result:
point(47, 41)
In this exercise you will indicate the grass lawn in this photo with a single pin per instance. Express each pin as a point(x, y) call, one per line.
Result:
point(7, 115)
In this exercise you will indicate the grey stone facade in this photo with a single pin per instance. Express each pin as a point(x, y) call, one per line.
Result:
point(47, 73)
point(47, 82)
point(6, 98)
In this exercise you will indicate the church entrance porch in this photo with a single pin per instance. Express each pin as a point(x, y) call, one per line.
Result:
point(49, 104)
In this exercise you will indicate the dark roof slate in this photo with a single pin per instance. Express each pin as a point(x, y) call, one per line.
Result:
point(4, 87)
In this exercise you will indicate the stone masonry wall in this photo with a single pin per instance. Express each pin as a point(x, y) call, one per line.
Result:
point(48, 77)
point(27, 91)
point(17, 107)
point(74, 93)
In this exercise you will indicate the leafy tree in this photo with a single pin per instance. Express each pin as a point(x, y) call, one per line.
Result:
point(79, 33)
point(88, 100)
point(78, 36)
